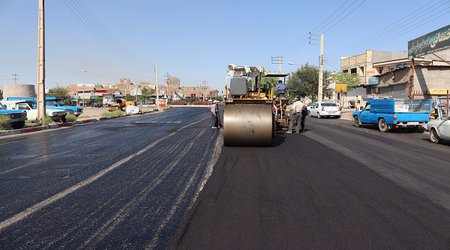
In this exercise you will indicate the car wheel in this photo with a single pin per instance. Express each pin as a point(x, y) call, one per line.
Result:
point(382, 125)
point(338, 117)
point(356, 121)
point(434, 138)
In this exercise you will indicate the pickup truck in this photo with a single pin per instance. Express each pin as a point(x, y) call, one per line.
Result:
point(31, 108)
point(391, 113)
point(51, 103)
point(17, 117)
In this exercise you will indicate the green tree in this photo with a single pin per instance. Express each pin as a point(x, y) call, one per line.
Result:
point(305, 82)
point(352, 80)
point(60, 93)
point(269, 82)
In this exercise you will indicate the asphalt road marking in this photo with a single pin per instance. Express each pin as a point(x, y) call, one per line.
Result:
point(33, 209)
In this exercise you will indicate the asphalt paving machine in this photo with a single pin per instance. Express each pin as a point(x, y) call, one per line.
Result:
point(249, 112)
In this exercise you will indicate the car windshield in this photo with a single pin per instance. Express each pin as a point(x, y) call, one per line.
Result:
point(329, 104)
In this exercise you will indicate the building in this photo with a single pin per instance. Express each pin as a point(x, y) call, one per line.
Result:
point(424, 73)
point(362, 65)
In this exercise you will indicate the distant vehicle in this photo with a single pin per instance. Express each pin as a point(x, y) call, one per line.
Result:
point(439, 129)
point(52, 103)
point(392, 113)
point(325, 109)
point(17, 117)
point(32, 113)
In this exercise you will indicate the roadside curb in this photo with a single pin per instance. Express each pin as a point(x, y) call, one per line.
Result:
point(67, 124)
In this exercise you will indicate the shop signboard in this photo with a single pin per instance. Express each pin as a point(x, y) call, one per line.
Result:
point(431, 42)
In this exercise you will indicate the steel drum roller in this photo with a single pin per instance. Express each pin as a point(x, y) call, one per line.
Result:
point(247, 124)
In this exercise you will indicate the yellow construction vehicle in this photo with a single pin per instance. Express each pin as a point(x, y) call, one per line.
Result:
point(249, 113)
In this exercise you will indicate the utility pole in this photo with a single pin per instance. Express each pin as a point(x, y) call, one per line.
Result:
point(167, 84)
point(320, 90)
point(41, 63)
point(277, 60)
point(15, 78)
point(156, 83)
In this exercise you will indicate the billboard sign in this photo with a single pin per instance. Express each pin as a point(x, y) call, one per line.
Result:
point(341, 87)
point(431, 42)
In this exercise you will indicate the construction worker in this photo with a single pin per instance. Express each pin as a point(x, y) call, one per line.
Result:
point(294, 123)
point(215, 114)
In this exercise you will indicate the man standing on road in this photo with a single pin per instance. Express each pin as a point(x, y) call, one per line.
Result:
point(294, 123)
point(215, 115)
point(304, 114)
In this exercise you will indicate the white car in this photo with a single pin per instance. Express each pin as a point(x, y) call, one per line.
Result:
point(325, 109)
point(439, 129)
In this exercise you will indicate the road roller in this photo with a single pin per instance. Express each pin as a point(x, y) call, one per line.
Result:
point(249, 116)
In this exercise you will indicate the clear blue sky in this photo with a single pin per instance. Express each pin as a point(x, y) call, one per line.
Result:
point(195, 40)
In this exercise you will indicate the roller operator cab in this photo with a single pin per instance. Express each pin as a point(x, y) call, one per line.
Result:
point(248, 112)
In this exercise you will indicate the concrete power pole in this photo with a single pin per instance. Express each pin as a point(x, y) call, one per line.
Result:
point(156, 83)
point(41, 63)
point(15, 78)
point(320, 90)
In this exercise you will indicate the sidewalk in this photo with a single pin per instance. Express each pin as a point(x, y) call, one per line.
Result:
point(346, 113)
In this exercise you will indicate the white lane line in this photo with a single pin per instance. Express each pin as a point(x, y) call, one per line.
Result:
point(33, 209)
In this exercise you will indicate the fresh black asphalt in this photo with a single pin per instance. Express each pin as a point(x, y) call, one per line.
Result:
point(302, 194)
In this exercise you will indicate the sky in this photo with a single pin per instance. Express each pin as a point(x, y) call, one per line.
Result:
point(101, 41)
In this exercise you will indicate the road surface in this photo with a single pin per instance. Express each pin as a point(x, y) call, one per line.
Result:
point(332, 187)
point(119, 183)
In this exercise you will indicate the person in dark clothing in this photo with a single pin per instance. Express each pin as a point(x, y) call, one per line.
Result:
point(304, 114)
point(215, 115)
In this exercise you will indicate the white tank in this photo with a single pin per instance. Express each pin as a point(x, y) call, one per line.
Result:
point(19, 90)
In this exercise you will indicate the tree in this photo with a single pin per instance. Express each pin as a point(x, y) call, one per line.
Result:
point(352, 80)
point(269, 82)
point(305, 82)
point(60, 93)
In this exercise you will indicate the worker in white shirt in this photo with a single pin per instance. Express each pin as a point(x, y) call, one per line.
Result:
point(294, 123)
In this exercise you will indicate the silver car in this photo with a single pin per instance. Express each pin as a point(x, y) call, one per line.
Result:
point(325, 109)
point(439, 129)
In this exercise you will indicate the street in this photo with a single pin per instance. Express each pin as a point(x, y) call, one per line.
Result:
point(139, 182)
point(332, 187)
point(119, 183)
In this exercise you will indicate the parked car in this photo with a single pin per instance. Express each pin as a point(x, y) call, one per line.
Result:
point(309, 107)
point(17, 117)
point(325, 109)
point(32, 113)
point(439, 129)
point(51, 103)
point(390, 113)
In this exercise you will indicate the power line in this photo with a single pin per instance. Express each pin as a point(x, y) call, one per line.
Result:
point(391, 26)
point(342, 14)
point(411, 28)
point(340, 20)
point(92, 24)
point(402, 29)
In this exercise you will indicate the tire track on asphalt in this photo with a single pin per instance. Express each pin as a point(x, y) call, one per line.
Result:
point(31, 210)
point(436, 196)
point(217, 149)
point(93, 217)
point(126, 210)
